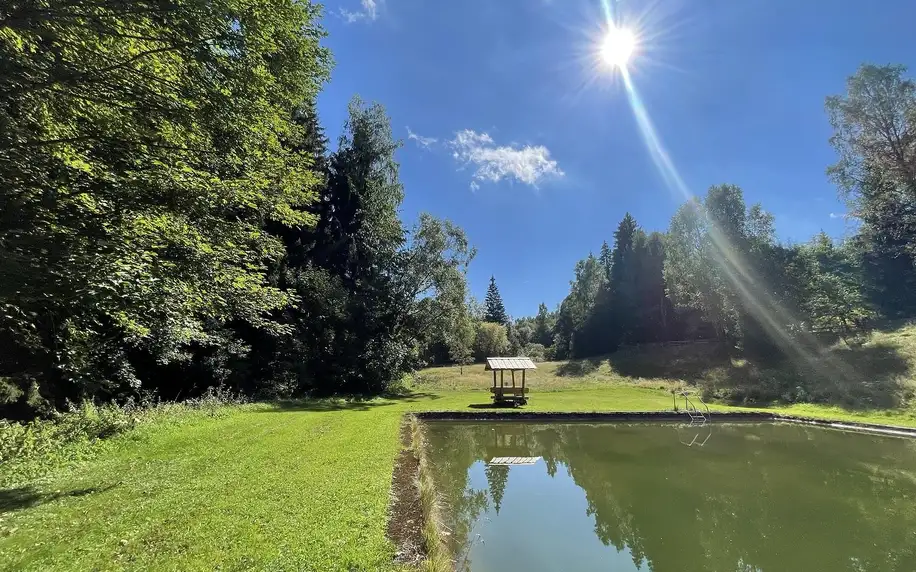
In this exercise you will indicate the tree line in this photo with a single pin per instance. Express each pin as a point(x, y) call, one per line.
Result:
point(172, 217)
point(718, 271)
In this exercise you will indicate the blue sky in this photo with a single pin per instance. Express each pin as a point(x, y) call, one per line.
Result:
point(522, 137)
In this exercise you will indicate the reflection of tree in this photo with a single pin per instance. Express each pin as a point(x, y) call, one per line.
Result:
point(497, 475)
point(755, 498)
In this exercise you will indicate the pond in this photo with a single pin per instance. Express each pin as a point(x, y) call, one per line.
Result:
point(666, 497)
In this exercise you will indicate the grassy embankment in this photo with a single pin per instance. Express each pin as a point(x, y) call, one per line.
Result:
point(306, 486)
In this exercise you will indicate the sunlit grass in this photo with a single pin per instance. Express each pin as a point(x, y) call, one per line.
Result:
point(305, 485)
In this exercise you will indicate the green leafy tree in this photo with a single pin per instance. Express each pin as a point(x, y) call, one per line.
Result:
point(461, 343)
point(495, 310)
point(874, 128)
point(577, 307)
point(142, 149)
point(833, 298)
point(490, 340)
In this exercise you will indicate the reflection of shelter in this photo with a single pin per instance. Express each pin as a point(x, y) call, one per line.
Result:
point(509, 439)
point(514, 394)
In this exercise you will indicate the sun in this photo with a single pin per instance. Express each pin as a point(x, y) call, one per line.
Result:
point(618, 46)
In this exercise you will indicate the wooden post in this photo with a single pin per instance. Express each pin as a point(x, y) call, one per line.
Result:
point(513, 379)
point(494, 379)
point(502, 382)
point(523, 383)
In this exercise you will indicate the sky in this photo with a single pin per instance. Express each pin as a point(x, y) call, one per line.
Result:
point(514, 127)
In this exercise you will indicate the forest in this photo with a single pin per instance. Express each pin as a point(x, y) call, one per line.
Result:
point(719, 272)
point(173, 219)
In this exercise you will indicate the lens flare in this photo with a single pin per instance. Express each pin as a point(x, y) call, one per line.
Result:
point(618, 46)
point(760, 303)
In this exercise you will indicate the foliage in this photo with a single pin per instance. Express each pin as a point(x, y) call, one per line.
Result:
point(833, 297)
point(461, 336)
point(544, 324)
point(142, 149)
point(497, 478)
point(372, 292)
point(874, 129)
point(577, 306)
point(491, 341)
point(537, 352)
point(494, 311)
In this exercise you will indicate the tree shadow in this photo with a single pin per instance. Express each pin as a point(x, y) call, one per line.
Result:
point(349, 403)
point(687, 362)
point(579, 367)
point(856, 378)
point(27, 497)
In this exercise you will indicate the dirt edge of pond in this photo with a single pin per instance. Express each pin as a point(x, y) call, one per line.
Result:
point(611, 416)
point(414, 524)
point(405, 521)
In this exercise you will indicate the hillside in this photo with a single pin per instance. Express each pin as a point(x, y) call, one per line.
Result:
point(878, 374)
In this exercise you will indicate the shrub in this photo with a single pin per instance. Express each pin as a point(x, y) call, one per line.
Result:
point(491, 340)
point(537, 352)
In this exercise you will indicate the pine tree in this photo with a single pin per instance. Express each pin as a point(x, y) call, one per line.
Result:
point(495, 310)
point(607, 260)
point(623, 286)
point(497, 477)
point(543, 326)
point(314, 143)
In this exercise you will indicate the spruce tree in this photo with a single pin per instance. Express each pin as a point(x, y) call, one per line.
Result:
point(495, 310)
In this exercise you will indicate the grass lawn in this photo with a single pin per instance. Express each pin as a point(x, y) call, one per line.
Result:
point(278, 487)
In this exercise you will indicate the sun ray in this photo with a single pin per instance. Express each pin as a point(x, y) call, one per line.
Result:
point(756, 299)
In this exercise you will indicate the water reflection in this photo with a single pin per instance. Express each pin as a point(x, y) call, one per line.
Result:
point(694, 435)
point(634, 497)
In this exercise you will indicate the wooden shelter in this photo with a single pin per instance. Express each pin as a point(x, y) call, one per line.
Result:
point(516, 395)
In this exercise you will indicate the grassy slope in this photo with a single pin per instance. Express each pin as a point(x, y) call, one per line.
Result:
point(303, 487)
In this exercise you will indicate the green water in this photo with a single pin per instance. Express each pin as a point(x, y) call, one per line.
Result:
point(626, 497)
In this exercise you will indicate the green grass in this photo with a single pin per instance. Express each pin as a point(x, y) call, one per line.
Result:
point(298, 486)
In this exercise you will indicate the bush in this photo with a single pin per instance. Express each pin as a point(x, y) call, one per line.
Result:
point(537, 352)
point(491, 341)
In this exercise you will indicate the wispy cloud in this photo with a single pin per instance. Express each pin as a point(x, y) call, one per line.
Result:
point(837, 215)
point(369, 11)
point(422, 141)
point(527, 164)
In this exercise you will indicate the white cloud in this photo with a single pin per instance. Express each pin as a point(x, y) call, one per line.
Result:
point(369, 11)
point(528, 164)
point(837, 215)
point(424, 142)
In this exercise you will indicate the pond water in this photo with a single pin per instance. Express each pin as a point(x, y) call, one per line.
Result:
point(665, 497)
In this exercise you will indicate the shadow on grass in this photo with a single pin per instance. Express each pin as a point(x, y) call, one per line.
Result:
point(857, 378)
point(578, 368)
point(350, 403)
point(687, 362)
point(28, 497)
point(501, 405)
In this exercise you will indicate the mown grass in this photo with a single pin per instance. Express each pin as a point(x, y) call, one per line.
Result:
point(288, 486)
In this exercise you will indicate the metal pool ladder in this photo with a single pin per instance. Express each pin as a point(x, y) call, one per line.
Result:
point(698, 417)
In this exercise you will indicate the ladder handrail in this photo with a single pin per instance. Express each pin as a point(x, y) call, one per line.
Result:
point(696, 415)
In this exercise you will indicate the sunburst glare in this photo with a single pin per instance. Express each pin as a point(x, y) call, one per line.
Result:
point(618, 46)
